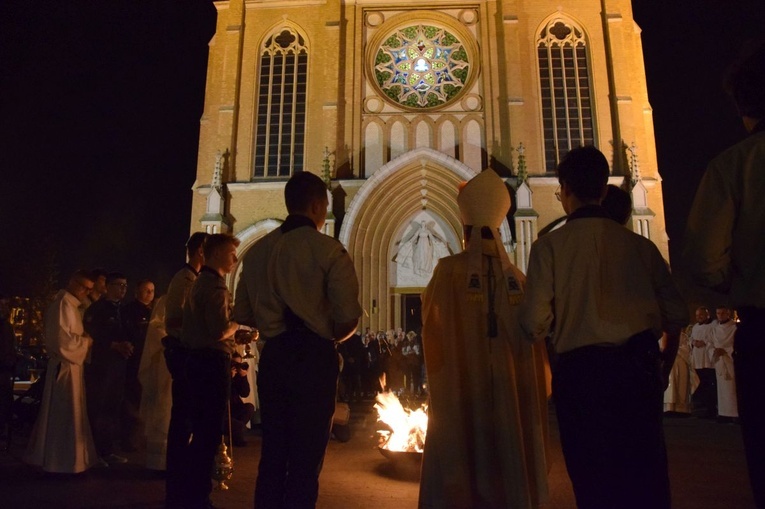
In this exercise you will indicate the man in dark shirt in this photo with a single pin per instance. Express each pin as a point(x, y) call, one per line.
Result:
point(179, 431)
point(105, 375)
point(208, 334)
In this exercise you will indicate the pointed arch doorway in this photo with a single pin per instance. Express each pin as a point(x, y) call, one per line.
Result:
point(401, 221)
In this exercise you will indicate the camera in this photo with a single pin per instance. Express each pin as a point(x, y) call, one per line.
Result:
point(240, 365)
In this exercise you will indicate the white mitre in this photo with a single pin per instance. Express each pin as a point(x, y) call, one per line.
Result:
point(484, 202)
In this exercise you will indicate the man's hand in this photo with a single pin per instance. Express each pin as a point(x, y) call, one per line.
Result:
point(124, 348)
point(229, 333)
point(698, 343)
point(719, 352)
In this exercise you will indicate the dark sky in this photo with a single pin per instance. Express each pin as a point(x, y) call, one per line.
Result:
point(99, 122)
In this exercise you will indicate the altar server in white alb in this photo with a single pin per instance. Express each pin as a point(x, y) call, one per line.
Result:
point(61, 440)
point(157, 398)
point(487, 416)
point(720, 352)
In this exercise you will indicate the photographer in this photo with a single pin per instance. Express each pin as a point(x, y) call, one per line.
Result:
point(241, 412)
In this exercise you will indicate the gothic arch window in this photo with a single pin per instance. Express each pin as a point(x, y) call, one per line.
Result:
point(281, 105)
point(564, 78)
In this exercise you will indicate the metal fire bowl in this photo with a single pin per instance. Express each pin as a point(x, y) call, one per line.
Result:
point(401, 456)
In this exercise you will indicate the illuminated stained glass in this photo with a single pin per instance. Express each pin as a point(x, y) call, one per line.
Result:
point(281, 110)
point(421, 66)
point(566, 93)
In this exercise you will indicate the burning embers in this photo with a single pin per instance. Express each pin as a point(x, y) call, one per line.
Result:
point(408, 427)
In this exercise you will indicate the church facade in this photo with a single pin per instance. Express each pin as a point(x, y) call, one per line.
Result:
point(395, 103)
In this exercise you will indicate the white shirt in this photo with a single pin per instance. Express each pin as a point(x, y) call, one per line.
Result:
point(304, 269)
point(701, 332)
point(722, 335)
point(253, 303)
point(599, 283)
point(313, 274)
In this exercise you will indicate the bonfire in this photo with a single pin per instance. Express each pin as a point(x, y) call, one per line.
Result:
point(407, 427)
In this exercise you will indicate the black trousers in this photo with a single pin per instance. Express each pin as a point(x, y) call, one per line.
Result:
point(179, 431)
point(104, 391)
point(706, 393)
point(208, 376)
point(240, 416)
point(748, 355)
point(608, 402)
point(297, 384)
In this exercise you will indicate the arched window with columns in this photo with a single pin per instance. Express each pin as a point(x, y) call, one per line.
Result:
point(281, 105)
point(566, 93)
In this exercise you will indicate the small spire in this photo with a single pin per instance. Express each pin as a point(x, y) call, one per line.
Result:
point(326, 172)
point(522, 174)
point(634, 166)
point(217, 181)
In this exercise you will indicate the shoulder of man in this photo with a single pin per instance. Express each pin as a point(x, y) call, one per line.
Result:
point(206, 278)
point(639, 241)
point(97, 308)
point(316, 238)
point(451, 263)
point(184, 276)
point(253, 257)
point(739, 150)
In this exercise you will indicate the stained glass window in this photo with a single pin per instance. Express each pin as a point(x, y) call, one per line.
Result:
point(565, 90)
point(421, 66)
point(281, 109)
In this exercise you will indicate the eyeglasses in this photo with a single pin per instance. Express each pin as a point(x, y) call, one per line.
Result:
point(121, 285)
point(557, 193)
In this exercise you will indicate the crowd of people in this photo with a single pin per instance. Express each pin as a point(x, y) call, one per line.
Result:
point(388, 360)
point(597, 322)
point(702, 380)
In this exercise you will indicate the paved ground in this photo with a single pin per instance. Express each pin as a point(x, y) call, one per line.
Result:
point(706, 467)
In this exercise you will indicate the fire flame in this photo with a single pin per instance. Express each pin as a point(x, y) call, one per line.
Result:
point(409, 427)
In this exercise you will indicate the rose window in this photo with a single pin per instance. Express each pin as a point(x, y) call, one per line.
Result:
point(421, 66)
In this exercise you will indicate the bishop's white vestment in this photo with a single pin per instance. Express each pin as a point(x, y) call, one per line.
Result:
point(61, 439)
point(487, 426)
point(683, 379)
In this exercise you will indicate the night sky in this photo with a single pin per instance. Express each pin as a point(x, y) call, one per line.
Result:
point(99, 123)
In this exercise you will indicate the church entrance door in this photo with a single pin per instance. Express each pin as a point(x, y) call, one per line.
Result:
point(411, 312)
